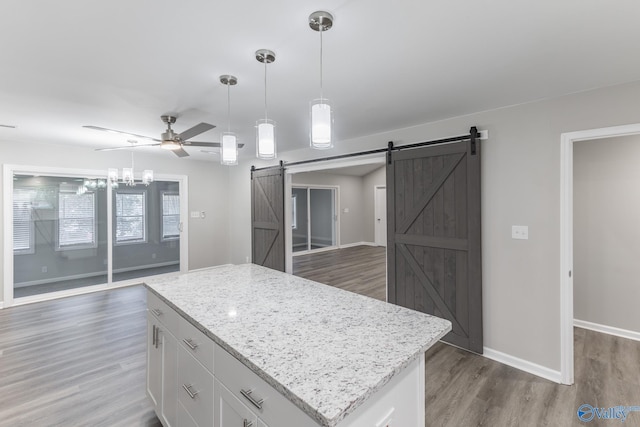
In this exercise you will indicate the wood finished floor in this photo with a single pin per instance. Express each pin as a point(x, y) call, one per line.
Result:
point(80, 361)
point(464, 389)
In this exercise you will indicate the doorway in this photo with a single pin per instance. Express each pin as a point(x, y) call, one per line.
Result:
point(314, 218)
point(567, 236)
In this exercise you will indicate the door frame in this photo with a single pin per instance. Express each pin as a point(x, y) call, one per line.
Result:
point(375, 206)
point(10, 169)
point(378, 158)
point(567, 140)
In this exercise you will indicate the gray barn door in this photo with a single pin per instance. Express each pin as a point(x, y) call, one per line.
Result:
point(433, 238)
point(267, 218)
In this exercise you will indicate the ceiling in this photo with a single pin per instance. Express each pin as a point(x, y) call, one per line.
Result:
point(121, 64)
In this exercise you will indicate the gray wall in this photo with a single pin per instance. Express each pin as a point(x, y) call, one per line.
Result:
point(369, 182)
point(520, 186)
point(606, 205)
point(351, 223)
point(209, 238)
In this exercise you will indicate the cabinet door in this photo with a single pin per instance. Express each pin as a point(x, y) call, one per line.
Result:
point(229, 411)
point(169, 377)
point(154, 364)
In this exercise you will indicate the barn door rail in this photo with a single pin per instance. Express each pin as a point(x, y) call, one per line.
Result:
point(473, 136)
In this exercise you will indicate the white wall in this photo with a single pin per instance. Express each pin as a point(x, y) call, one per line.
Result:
point(520, 186)
point(606, 205)
point(209, 238)
point(369, 182)
point(351, 223)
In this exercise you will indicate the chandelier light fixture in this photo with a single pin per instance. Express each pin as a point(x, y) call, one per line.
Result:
point(229, 144)
point(321, 114)
point(128, 177)
point(265, 128)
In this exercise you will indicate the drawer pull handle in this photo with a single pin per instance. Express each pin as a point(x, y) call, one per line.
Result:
point(189, 342)
point(187, 388)
point(157, 335)
point(157, 311)
point(254, 402)
point(247, 423)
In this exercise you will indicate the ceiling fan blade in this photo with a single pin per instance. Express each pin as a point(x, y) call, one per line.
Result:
point(206, 144)
point(201, 144)
point(121, 132)
point(180, 153)
point(196, 130)
point(127, 147)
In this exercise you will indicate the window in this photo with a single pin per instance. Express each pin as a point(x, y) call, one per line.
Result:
point(23, 229)
point(170, 216)
point(130, 217)
point(76, 220)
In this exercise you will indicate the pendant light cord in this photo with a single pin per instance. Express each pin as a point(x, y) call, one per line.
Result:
point(228, 107)
point(265, 89)
point(321, 92)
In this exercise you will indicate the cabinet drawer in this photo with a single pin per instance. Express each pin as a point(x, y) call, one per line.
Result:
point(230, 411)
point(195, 388)
point(163, 312)
point(196, 343)
point(270, 406)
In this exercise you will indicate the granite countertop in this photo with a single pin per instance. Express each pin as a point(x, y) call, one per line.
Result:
point(325, 349)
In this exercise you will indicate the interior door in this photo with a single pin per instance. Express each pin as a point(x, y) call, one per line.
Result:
point(433, 249)
point(267, 218)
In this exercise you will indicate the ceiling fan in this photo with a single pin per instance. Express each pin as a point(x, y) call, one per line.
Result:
point(169, 139)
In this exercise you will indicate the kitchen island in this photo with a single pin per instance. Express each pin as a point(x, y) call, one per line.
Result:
point(247, 346)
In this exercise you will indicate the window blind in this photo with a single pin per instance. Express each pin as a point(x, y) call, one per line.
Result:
point(76, 220)
point(170, 215)
point(22, 221)
point(130, 217)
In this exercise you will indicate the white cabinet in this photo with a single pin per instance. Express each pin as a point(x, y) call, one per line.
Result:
point(229, 411)
point(162, 355)
point(195, 388)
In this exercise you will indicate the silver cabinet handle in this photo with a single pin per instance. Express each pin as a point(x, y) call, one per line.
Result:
point(157, 311)
point(187, 388)
point(254, 402)
point(157, 336)
point(153, 336)
point(247, 423)
point(189, 342)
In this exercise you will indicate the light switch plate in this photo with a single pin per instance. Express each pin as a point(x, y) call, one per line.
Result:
point(520, 232)
point(195, 214)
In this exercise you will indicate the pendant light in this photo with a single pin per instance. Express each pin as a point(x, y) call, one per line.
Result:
point(265, 128)
point(321, 114)
point(229, 144)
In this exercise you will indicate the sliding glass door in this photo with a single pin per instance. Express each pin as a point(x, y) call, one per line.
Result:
point(77, 231)
point(59, 234)
point(313, 218)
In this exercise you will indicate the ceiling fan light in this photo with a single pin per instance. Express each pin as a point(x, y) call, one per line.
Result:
point(266, 139)
point(229, 149)
point(321, 124)
point(169, 145)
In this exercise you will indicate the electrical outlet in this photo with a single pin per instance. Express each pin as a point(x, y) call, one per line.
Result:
point(520, 232)
point(44, 269)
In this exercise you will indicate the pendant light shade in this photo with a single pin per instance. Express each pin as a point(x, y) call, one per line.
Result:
point(321, 124)
point(321, 133)
point(229, 143)
point(229, 149)
point(266, 139)
point(265, 128)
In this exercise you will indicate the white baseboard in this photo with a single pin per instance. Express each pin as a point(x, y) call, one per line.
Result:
point(623, 333)
point(523, 365)
point(350, 245)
